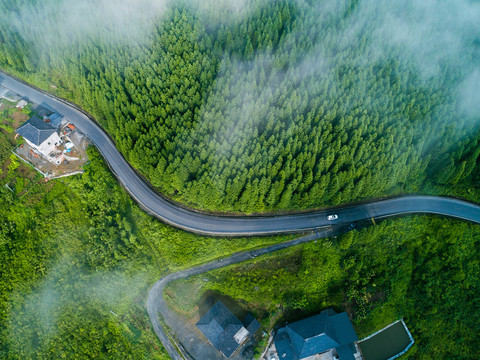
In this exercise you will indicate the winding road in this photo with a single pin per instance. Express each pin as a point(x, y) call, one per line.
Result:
point(157, 307)
point(210, 224)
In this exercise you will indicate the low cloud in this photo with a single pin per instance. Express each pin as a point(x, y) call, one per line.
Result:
point(55, 24)
point(34, 318)
point(469, 95)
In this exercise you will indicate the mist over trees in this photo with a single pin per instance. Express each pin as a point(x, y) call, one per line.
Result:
point(267, 105)
point(244, 106)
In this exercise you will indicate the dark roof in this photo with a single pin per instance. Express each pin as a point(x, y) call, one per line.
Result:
point(346, 352)
point(251, 324)
point(343, 328)
point(219, 326)
point(315, 335)
point(284, 346)
point(55, 120)
point(35, 130)
point(312, 335)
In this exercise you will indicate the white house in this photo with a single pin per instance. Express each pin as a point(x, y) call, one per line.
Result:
point(40, 136)
point(21, 104)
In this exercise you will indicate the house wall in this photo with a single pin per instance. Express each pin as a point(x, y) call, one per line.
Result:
point(49, 145)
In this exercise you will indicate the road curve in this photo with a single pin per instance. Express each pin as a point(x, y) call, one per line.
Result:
point(209, 224)
point(156, 305)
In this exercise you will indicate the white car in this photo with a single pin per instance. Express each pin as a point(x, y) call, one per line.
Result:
point(332, 217)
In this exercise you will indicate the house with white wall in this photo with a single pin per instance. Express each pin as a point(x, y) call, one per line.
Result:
point(40, 135)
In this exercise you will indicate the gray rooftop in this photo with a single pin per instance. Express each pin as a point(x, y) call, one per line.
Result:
point(219, 326)
point(35, 130)
point(315, 335)
point(55, 120)
point(251, 324)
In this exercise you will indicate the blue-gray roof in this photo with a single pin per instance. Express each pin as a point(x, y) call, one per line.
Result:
point(284, 346)
point(312, 335)
point(315, 335)
point(346, 352)
point(343, 329)
point(219, 326)
point(55, 120)
point(251, 324)
point(35, 130)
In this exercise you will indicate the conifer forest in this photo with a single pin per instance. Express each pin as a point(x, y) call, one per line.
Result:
point(288, 105)
point(243, 107)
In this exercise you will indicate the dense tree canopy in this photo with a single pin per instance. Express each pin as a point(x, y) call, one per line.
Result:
point(77, 260)
point(273, 105)
point(280, 107)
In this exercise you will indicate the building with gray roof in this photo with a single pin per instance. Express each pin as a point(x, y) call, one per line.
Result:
point(324, 332)
point(56, 120)
point(35, 130)
point(224, 331)
point(39, 135)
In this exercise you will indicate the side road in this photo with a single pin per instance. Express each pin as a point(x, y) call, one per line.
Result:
point(157, 307)
point(211, 224)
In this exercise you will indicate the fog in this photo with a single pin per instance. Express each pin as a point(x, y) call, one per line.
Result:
point(438, 38)
point(432, 33)
point(67, 291)
point(61, 23)
point(469, 94)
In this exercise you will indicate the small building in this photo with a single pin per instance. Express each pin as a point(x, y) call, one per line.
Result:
point(224, 331)
point(39, 135)
point(327, 332)
point(21, 104)
point(55, 120)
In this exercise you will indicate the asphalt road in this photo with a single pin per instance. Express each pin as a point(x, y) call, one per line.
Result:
point(210, 224)
point(157, 307)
